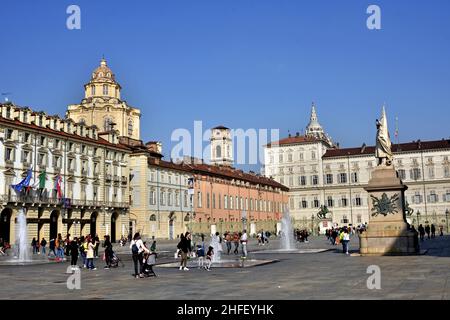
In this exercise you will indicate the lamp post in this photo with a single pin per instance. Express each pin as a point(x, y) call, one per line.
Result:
point(418, 217)
point(446, 218)
point(312, 225)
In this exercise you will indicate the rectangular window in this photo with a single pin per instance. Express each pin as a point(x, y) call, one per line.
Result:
point(316, 202)
point(358, 201)
point(330, 202)
point(415, 174)
point(315, 180)
point(344, 201)
point(225, 202)
point(446, 172)
point(9, 134)
point(199, 199)
point(303, 180)
point(342, 178)
point(355, 177)
point(329, 178)
point(213, 200)
point(431, 172)
point(304, 203)
point(9, 156)
point(402, 174)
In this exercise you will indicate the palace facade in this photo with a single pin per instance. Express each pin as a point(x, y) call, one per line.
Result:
point(79, 176)
point(319, 173)
point(170, 198)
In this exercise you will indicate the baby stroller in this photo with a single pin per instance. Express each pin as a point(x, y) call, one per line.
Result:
point(149, 262)
point(115, 260)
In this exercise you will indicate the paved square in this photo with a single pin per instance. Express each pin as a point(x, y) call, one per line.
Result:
point(325, 275)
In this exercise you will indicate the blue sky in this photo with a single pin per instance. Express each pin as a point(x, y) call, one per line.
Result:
point(244, 64)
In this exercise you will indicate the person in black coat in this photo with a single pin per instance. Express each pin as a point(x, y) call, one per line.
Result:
point(421, 230)
point(185, 247)
point(108, 252)
point(73, 248)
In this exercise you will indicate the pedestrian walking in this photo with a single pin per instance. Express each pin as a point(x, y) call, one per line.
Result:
point(428, 230)
point(236, 239)
point(345, 239)
point(433, 231)
point(244, 240)
point(74, 251)
point(228, 242)
point(209, 258)
point(34, 246)
point(52, 247)
point(90, 254)
point(43, 246)
point(421, 230)
point(441, 231)
point(185, 248)
point(108, 251)
point(137, 250)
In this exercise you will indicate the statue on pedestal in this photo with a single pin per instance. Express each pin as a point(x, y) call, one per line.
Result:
point(383, 151)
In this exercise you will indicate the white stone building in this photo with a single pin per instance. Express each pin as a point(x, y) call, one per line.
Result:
point(93, 168)
point(320, 173)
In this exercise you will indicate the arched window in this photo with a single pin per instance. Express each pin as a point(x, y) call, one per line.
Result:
point(82, 121)
point(218, 152)
point(107, 124)
point(105, 89)
point(153, 217)
point(130, 127)
point(93, 90)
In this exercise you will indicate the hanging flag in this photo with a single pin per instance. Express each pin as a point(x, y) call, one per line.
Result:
point(42, 179)
point(24, 183)
point(58, 186)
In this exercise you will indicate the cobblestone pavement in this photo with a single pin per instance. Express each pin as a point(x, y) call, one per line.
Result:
point(326, 275)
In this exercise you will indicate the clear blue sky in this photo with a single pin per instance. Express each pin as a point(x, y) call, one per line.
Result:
point(240, 63)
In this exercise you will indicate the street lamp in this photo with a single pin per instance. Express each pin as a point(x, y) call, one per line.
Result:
point(446, 218)
point(312, 224)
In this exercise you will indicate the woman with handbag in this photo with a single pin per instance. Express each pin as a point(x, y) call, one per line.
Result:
point(185, 247)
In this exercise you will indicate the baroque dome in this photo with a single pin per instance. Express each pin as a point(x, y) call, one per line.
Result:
point(103, 73)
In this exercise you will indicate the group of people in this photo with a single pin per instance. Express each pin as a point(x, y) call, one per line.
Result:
point(340, 235)
point(263, 237)
point(301, 235)
point(4, 247)
point(430, 231)
point(185, 248)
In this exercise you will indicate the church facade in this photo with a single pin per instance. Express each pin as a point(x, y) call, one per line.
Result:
point(103, 106)
point(320, 175)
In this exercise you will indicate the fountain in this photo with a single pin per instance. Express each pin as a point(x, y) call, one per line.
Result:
point(23, 250)
point(287, 232)
point(287, 241)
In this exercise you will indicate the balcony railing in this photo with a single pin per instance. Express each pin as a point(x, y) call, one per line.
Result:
point(45, 199)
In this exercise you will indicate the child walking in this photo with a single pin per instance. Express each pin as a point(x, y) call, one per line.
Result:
point(209, 258)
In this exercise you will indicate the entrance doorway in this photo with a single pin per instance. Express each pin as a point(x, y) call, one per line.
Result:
point(54, 224)
point(93, 224)
point(114, 217)
point(5, 225)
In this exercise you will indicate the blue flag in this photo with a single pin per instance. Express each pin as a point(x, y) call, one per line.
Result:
point(24, 183)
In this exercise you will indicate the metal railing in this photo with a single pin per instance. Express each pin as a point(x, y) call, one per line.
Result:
point(45, 199)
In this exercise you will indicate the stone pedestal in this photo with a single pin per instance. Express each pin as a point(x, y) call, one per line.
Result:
point(387, 232)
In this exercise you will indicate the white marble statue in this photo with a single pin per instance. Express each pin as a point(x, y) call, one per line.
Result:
point(383, 151)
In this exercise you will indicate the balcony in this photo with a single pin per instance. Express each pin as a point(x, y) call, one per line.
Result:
point(31, 198)
point(36, 198)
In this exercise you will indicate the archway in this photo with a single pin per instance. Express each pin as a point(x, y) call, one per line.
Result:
point(114, 218)
point(5, 224)
point(54, 224)
point(93, 223)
